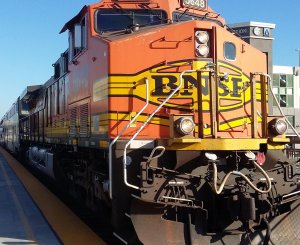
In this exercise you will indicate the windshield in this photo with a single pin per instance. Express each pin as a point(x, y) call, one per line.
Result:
point(121, 19)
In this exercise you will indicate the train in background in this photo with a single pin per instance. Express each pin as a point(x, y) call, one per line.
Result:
point(160, 112)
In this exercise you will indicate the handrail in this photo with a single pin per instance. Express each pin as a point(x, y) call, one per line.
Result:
point(264, 104)
point(120, 134)
point(144, 125)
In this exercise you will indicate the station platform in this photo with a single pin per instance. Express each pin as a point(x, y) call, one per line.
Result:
point(31, 214)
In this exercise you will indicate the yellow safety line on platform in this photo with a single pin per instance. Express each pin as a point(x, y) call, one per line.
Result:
point(69, 228)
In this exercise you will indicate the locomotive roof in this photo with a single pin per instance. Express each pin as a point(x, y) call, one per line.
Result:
point(74, 20)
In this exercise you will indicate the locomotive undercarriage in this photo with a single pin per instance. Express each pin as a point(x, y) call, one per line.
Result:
point(79, 171)
point(179, 195)
point(189, 195)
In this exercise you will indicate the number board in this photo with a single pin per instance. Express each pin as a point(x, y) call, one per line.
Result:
point(196, 4)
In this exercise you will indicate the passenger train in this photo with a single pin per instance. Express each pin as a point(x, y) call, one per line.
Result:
point(160, 112)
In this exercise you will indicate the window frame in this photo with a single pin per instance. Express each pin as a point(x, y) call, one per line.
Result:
point(286, 87)
point(74, 51)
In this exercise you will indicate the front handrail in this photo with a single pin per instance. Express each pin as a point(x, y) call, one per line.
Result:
point(282, 113)
point(121, 133)
point(277, 103)
point(144, 125)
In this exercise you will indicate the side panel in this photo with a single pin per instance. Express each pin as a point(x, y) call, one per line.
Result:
point(100, 92)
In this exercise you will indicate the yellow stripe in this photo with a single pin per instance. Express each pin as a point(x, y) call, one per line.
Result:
point(104, 118)
point(141, 118)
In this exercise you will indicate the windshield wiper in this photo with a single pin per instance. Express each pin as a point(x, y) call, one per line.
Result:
point(184, 13)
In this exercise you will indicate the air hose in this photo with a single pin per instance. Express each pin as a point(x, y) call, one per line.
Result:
point(220, 189)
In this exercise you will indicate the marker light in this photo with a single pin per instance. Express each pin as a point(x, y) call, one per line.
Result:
point(201, 37)
point(202, 50)
point(202, 45)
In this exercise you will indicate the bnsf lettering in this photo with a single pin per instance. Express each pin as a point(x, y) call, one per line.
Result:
point(161, 82)
point(189, 80)
point(236, 87)
point(164, 84)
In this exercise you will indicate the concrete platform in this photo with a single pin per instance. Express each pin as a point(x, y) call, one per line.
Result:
point(30, 214)
point(20, 219)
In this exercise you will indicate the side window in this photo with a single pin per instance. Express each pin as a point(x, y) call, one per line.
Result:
point(70, 46)
point(84, 33)
point(77, 38)
point(229, 51)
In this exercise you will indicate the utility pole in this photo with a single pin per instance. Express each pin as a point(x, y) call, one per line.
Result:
point(298, 50)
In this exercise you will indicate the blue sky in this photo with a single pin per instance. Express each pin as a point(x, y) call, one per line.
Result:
point(30, 42)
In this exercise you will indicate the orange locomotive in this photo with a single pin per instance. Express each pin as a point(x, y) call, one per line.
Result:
point(159, 111)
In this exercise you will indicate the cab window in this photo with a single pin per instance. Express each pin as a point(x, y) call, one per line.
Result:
point(120, 19)
point(229, 51)
point(78, 38)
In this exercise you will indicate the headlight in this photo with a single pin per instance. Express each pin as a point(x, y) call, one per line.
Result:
point(185, 125)
point(202, 50)
point(201, 37)
point(278, 126)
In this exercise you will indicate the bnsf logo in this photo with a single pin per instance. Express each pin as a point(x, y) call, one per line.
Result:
point(231, 87)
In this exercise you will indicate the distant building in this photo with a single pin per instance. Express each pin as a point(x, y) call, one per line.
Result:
point(259, 35)
point(286, 87)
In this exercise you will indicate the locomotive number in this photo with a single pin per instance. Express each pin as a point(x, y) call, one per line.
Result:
point(199, 4)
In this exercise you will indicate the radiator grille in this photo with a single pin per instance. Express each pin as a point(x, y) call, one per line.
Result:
point(84, 128)
point(73, 117)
